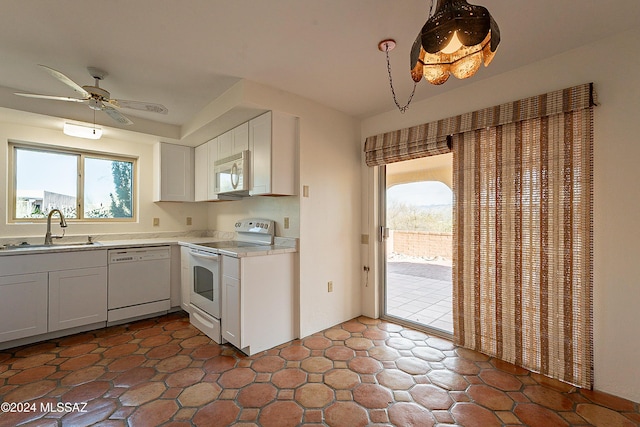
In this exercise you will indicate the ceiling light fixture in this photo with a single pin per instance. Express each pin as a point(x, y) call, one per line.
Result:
point(456, 39)
point(80, 131)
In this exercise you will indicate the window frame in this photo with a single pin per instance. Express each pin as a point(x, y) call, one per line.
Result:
point(81, 154)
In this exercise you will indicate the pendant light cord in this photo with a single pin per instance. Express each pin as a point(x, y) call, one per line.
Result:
point(404, 108)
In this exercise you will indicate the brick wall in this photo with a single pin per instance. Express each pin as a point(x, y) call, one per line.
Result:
point(422, 244)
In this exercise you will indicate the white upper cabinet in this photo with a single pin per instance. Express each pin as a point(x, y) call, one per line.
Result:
point(273, 142)
point(234, 141)
point(174, 173)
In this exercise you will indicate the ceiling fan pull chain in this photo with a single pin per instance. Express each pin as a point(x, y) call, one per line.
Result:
point(404, 108)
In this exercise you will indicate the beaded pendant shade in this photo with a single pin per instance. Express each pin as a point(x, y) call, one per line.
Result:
point(456, 39)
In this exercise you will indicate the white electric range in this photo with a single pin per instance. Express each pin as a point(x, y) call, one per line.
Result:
point(205, 273)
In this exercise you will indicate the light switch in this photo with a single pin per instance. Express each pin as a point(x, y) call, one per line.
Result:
point(156, 222)
point(305, 191)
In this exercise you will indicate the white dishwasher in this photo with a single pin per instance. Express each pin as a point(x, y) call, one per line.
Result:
point(139, 282)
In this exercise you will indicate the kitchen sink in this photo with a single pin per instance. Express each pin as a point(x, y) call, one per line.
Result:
point(26, 246)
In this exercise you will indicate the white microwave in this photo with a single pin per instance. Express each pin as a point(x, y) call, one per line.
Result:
point(232, 174)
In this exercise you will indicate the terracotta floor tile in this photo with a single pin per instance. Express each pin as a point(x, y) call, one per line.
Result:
point(134, 376)
point(429, 354)
point(268, 364)
point(316, 342)
point(365, 365)
point(431, 397)
point(383, 353)
point(256, 395)
point(195, 342)
point(375, 334)
point(346, 414)
point(608, 400)
point(314, 395)
point(490, 397)
point(163, 351)
point(86, 392)
point(548, 397)
point(500, 380)
point(337, 334)
point(155, 340)
point(126, 363)
point(357, 343)
point(533, 414)
point(289, 378)
point(237, 378)
point(185, 377)
point(413, 365)
point(395, 379)
point(316, 364)
point(153, 413)
point(219, 364)
point(295, 353)
point(372, 396)
point(472, 415)
point(221, 413)
point(448, 380)
point(96, 410)
point(32, 361)
point(199, 394)
point(410, 415)
point(142, 393)
point(31, 375)
point(173, 364)
point(600, 416)
point(281, 414)
point(461, 366)
point(29, 391)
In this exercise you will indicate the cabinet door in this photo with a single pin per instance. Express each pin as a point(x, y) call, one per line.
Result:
point(77, 297)
point(260, 143)
point(212, 148)
point(23, 306)
point(176, 173)
point(201, 172)
point(185, 279)
point(240, 138)
point(225, 144)
point(230, 316)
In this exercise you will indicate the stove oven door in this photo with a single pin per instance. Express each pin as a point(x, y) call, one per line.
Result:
point(205, 286)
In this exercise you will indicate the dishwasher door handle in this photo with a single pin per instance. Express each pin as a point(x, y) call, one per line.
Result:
point(199, 255)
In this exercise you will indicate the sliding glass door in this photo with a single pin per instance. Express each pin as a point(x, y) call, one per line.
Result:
point(416, 210)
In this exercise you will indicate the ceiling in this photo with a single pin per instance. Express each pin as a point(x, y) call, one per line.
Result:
point(184, 54)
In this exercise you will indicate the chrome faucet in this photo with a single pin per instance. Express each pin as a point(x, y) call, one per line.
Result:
point(63, 223)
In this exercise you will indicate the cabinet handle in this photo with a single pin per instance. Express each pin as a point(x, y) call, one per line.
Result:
point(199, 255)
point(234, 171)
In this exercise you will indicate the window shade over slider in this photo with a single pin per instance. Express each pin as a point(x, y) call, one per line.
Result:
point(429, 139)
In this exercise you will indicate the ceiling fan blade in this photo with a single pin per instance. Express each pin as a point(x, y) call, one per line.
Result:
point(116, 115)
point(55, 98)
point(66, 80)
point(139, 105)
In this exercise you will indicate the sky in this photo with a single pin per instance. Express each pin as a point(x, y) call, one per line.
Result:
point(422, 193)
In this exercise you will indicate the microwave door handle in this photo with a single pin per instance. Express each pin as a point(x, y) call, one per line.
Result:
point(234, 171)
point(199, 255)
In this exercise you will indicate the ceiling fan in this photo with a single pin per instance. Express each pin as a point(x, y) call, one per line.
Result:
point(97, 98)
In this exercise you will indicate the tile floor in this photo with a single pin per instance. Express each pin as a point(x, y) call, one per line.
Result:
point(363, 372)
point(420, 292)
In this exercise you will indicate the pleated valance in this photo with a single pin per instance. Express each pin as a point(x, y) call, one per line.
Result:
point(433, 138)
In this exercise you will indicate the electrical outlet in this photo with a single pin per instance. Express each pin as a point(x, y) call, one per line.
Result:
point(189, 220)
point(286, 222)
point(329, 286)
point(156, 222)
point(305, 191)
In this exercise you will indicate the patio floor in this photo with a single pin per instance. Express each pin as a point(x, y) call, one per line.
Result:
point(420, 292)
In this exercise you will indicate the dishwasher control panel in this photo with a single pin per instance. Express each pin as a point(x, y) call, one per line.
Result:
point(139, 254)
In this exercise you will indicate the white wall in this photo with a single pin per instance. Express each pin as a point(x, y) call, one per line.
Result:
point(612, 64)
point(172, 215)
point(328, 221)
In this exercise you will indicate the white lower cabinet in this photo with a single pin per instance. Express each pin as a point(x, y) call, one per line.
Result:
point(185, 279)
point(23, 306)
point(230, 315)
point(258, 301)
point(57, 291)
point(77, 297)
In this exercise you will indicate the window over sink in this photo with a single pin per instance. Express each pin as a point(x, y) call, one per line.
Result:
point(84, 185)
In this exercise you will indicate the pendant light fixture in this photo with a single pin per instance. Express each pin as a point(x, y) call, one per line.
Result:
point(456, 39)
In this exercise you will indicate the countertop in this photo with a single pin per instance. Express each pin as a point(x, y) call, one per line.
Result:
point(282, 245)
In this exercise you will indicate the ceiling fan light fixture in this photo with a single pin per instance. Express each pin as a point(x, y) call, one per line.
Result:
point(80, 131)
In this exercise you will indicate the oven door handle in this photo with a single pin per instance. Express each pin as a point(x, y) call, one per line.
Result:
point(200, 255)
